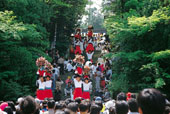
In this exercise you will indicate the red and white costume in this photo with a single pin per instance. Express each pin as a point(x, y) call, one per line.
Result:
point(77, 50)
point(48, 90)
point(77, 90)
point(79, 68)
point(78, 36)
point(86, 90)
point(90, 56)
point(41, 90)
point(90, 33)
point(41, 72)
point(47, 74)
point(90, 46)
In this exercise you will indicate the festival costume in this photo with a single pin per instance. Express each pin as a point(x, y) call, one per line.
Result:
point(90, 46)
point(40, 63)
point(77, 50)
point(77, 90)
point(86, 90)
point(79, 59)
point(48, 74)
point(78, 36)
point(41, 90)
point(41, 72)
point(90, 34)
point(89, 56)
point(48, 90)
point(79, 68)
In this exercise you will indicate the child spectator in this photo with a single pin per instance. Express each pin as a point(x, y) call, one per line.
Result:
point(68, 89)
point(68, 80)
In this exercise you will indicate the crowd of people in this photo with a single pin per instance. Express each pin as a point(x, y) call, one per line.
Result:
point(86, 90)
point(86, 74)
point(148, 101)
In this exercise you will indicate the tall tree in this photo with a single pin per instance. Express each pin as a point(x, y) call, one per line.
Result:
point(140, 39)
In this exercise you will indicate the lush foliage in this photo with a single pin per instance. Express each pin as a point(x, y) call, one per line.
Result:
point(140, 34)
point(27, 30)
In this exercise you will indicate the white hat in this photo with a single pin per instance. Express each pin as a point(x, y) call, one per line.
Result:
point(110, 103)
point(20, 100)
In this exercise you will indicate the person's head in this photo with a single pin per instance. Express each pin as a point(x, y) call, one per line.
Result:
point(28, 105)
point(89, 51)
point(95, 109)
point(78, 78)
point(42, 79)
point(84, 106)
point(60, 106)
point(133, 106)
point(121, 96)
point(106, 89)
point(69, 83)
point(12, 105)
point(59, 112)
point(68, 100)
point(44, 104)
point(167, 110)
point(67, 111)
point(48, 78)
point(73, 106)
point(59, 79)
point(100, 104)
point(53, 71)
point(121, 107)
point(86, 80)
point(51, 104)
point(112, 110)
point(151, 101)
point(8, 110)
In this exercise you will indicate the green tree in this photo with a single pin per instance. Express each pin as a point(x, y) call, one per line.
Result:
point(140, 41)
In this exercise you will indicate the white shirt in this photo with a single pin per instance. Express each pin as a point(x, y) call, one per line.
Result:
point(65, 62)
point(41, 85)
point(2, 112)
point(100, 60)
point(48, 84)
point(87, 63)
point(89, 55)
point(69, 67)
point(93, 67)
point(77, 84)
point(81, 46)
point(90, 41)
point(86, 86)
point(78, 43)
point(57, 71)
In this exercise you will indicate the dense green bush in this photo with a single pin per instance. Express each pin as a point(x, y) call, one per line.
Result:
point(140, 39)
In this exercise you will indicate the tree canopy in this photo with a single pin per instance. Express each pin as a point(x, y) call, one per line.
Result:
point(26, 32)
point(139, 32)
